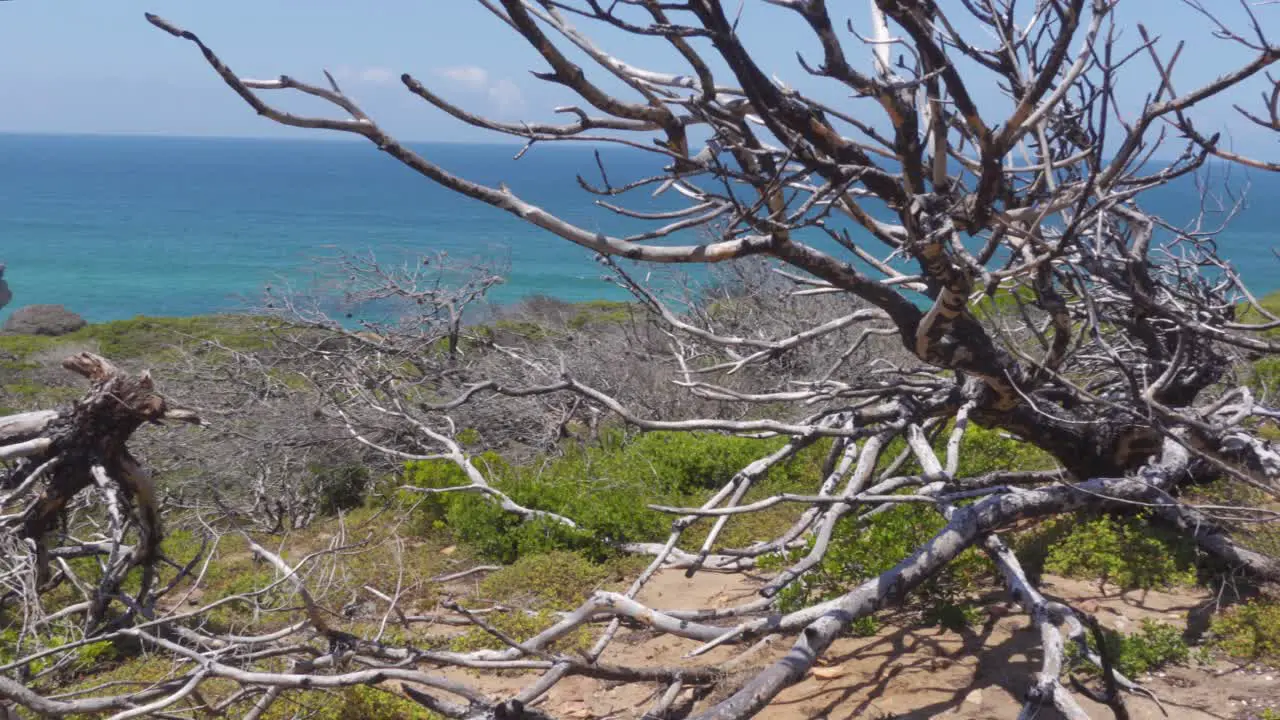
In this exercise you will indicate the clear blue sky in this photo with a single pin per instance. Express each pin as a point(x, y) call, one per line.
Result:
point(96, 66)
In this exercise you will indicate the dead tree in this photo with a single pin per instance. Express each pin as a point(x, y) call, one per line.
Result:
point(1130, 324)
point(52, 457)
point(1113, 345)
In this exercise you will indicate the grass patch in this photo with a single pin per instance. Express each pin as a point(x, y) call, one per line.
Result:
point(520, 626)
point(146, 337)
point(365, 702)
point(1270, 303)
point(600, 312)
point(556, 580)
point(1249, 632)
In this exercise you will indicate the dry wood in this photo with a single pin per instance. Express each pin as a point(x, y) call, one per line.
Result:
point(1005, 250)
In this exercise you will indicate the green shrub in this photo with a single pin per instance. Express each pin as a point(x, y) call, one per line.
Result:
point(94, 655)
point(23, 346)
point(1004, 302)
point(477, 520)
point(240, 614)
point(364, 702)
point(1269, 302)
point(437, 474)
point(181, 546)
point(1250, 631)
point(861, 549)
point(982, 450)
point(557, 580)
point(1264, 376)
point(358, 702)
point(28, 395)
point(1259, 537)
point(604, 488)
point(1126, 551)
point(519, 626)
point(525, 329)
point(600, 312)
point(145, 336)
point(1154, 646)
point(340, 487)
point(985, 450)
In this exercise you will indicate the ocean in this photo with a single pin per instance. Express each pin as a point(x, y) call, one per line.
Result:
point(113, 227)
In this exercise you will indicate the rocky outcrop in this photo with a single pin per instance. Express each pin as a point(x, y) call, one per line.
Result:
point(43, 320)
point(5, 295)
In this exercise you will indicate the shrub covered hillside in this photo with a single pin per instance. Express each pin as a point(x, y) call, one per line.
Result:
point(282, 510)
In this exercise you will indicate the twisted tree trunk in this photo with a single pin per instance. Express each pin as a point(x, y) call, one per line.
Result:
point(87, 443)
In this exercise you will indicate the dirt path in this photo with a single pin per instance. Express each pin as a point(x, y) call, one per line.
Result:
point(912, 673)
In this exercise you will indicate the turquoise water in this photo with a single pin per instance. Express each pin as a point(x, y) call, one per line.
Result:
point(114, 227)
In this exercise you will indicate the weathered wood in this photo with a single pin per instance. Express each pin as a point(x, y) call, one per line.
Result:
point(25, 426)
point(94, 432)
point(25, 449)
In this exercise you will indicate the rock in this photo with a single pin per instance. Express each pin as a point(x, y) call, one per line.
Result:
point(43, 320)
point(974, 697)
point(5, 295)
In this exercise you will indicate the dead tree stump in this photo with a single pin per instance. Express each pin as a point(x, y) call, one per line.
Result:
point(57, 454)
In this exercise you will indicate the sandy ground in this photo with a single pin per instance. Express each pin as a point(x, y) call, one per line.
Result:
point(908, 673)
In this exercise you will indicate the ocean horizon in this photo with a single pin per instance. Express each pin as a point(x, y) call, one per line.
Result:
point(116, 226)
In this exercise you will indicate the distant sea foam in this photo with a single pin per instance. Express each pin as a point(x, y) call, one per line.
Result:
point(114, 227)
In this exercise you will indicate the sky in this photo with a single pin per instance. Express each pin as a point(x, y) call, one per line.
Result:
point(89, 66)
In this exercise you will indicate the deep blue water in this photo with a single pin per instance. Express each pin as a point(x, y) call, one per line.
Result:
point(114, 227)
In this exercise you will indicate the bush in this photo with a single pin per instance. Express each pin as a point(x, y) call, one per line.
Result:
point(493, 533)
point(364, 702)
point(1264, 377)
point(556, 580)
point(861, 549)
point(1126, 551)
point(1269, 302)
point(244, 614)
point(519, 626)
point(1250, 631)
point(605, 489)
point(983, 450)
point(986, 450)
point(1259, 537)
point(602, 312)
point(1154, 646)
point(145, 337)
point(340, 487)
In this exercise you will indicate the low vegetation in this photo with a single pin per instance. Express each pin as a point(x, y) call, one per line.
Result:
point(1126, 552)
point(1250, 631)
point(400, 524)
point(1154, 646)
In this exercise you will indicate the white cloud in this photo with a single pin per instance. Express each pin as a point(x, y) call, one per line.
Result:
point(470, 76)
point(376, 76)
point(504, 96)
point(364, 76)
